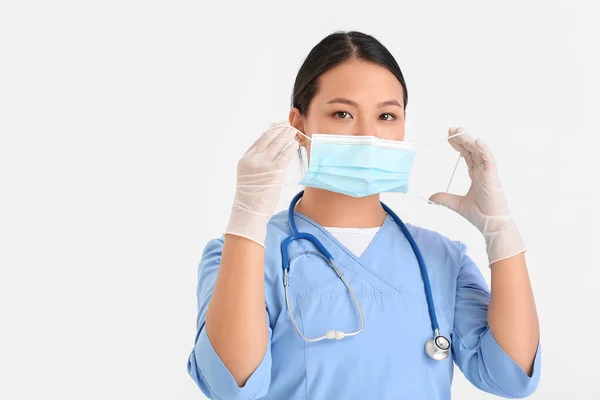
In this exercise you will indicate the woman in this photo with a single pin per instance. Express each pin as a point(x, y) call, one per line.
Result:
point(256, 335)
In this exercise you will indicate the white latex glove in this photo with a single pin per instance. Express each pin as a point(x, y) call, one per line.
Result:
point(260, 174)
point(484, 204)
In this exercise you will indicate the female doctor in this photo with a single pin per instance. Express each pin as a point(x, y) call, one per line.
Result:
point(337, 298)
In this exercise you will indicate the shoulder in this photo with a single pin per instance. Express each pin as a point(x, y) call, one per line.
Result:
point(278, 229)
point(436, 244)
point(278, 226)
point(431, 235)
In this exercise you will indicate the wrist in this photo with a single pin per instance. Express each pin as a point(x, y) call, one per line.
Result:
point(248, 224)
point(502, 238)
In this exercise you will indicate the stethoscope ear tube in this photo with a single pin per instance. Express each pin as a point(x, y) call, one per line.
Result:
point(306, 236)
point(332, 334)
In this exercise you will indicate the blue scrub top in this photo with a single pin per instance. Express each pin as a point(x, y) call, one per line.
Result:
point(387, 360)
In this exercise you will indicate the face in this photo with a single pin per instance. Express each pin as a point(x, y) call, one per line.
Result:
point(354, 98)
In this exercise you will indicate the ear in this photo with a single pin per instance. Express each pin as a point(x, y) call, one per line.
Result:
point(297, 121)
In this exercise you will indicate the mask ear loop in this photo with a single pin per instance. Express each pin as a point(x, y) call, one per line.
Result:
point(422, 198)
point(441, 140)
point(457, 161)
point(453, 172)
point(304, 135)
point(301, 161)
point(300, 157)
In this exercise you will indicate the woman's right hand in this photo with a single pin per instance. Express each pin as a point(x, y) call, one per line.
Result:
point(260, 175)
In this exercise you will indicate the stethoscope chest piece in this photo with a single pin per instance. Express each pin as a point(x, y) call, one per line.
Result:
point(438, 348)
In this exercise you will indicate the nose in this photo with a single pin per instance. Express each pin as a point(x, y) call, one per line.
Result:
point(365, 127)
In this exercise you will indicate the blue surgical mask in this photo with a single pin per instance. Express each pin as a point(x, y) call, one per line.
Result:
point(359, 166)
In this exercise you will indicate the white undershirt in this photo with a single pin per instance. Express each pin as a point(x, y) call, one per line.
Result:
point(354, 239)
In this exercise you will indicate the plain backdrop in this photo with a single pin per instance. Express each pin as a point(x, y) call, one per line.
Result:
point(122, 123)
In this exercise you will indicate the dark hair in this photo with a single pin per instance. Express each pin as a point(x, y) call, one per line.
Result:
point(334, 50)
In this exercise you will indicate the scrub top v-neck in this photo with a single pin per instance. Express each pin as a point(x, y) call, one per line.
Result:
point(356, 240)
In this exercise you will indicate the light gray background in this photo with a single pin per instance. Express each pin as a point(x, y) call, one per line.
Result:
point(122, 122)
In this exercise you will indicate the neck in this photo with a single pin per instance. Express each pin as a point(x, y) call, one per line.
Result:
point(332, 209)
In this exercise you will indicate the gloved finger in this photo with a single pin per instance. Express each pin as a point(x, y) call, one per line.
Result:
point(286, 154)
point(479, 152)
point(270, 135)
point(267, 138)
point(468, 143)
point(456, 144)
point(474, 153)
point(465, 144)
point(487, 158)
point(464, 152)
point(471, 165)
point(453, 143)
point(484, 149)
point(464, 140)
point(469, 161)
point(256, 142)
point(282, 140)
point(260, 138)
point(479, 155)
point(449, 200)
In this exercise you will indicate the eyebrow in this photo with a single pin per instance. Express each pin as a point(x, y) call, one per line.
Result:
point(343, 100)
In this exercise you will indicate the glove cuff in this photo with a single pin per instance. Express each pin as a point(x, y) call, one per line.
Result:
point(248, 224)
point(502, 238)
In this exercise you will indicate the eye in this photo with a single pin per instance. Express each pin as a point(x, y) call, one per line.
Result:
point(337, 113)
point(391, 115)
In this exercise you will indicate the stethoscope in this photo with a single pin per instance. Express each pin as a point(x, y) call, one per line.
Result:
point(437, 347)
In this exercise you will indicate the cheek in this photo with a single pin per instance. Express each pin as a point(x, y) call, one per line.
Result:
point(392, 132)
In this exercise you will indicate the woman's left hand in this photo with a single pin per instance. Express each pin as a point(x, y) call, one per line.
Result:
point(484, 205)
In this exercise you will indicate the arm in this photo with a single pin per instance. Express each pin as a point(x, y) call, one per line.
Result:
point(490, 356)
point(478, 353)
point(231, 357)
point(512, 315)
point(208, 364)
point(235, 320)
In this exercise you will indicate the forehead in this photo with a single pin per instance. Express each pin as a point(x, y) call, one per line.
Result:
point(359, 80)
